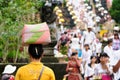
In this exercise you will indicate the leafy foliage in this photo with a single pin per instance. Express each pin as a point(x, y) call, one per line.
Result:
point(115, 10)
point(13, 15)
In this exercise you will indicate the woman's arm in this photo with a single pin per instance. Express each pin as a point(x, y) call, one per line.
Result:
point(116, 67)
point(68, 67)
point(78, 62)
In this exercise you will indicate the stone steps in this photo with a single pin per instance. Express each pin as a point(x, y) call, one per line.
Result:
point(48, 53)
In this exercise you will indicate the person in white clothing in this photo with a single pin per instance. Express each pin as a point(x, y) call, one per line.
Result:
point(75, 44)
point(103, 69)
point(86, 54)
point(90, 68)
point(97, 46)
point(109, 50)
point(88, 36)
point(116, 66)
point(116, 70)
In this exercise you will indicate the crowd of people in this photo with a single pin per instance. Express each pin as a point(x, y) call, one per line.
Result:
point(92, 54)
point(92, 51)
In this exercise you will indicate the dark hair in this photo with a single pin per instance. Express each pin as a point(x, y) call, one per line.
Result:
point(74, 53)
point(75, 36)
point(93, 56)
point(116, 34)
point(104, 55)
point(5, 77)
point(86, 45)
point(65, 32)
point(110, 41)
point(35, 50)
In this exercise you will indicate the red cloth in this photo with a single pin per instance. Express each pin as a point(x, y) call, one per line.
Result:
point(75, 73)
point(106, 77)
point(11, 78)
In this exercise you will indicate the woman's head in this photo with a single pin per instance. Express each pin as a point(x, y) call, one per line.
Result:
point(116, 36)
point(75, 36)
point(86, 46)
point(35, 50)
point(110, 42)
point(74, 53)
point(93, 59)
point(104, 58)
point(105, 35)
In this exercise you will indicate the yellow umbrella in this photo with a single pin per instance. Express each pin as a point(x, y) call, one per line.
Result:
point(102, 32)
point(56, 8)
point(60, 15)
point(58, 11)
point(70, 7)
point(76, 21)
point(72, 12)
point(74, 17)
point(61, 20)
point(68, 4)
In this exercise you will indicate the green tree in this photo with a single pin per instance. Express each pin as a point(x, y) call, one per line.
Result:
point(13, 15)
point(115, 10)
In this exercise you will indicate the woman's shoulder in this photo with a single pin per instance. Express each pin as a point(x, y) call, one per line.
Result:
point(90, 51)
point(47, 68)
point(27, 67)
point(23, 67)
point(98, 65)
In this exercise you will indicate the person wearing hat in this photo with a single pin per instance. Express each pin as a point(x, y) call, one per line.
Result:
point(103, 69)
point(35, 70)
point(8, 71)
point(88, 36)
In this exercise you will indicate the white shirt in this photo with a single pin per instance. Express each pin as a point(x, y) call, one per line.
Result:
point(86, 56)
point(100, 70)
point(88, 37)
point(114, 62)
point(90, 71)
point(97, 46)
point(109, 52)
point(55, 50)
point(75, 43)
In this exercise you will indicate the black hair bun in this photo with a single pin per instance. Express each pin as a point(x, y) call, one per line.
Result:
point(35, 50)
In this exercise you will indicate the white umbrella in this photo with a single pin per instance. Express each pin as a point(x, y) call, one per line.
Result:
point(68, 4)
point(86, 4)
point(97, 0)
point(89, 7)
point(106, 11)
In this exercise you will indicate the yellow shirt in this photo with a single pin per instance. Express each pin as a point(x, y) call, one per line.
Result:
point(32, 71)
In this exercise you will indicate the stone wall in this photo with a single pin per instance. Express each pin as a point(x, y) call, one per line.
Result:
point(58, 68)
